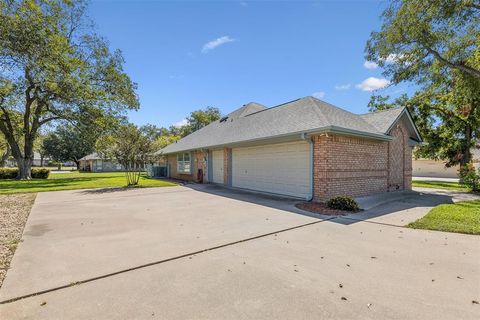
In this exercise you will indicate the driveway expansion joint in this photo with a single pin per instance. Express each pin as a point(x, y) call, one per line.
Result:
point(108, 275)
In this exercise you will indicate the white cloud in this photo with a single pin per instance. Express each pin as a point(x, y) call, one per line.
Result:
point(372, 84)
point(319, 94)
point(215, 43)
point(370, 65)
point(180, 123)
point(343, 86)
point(393, 58)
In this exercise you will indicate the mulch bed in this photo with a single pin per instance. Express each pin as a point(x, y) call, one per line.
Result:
point(14, 211)
point(321, 208)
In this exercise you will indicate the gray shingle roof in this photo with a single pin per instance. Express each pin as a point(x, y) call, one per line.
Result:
point(91, 156)
point(255, 122)
point(382, 120)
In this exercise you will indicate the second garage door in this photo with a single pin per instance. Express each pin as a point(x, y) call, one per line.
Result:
point(277, 168)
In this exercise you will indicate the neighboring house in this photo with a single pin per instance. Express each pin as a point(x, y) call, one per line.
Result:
point(95, 163)
point(437, 169)
point(38, 161)
point(305, 148)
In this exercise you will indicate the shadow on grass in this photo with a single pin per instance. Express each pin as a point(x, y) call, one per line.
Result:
point(52, 184)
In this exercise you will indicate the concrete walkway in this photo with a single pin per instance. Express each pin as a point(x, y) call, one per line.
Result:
point(211, 253)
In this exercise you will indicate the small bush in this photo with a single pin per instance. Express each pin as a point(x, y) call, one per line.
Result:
point(8, 173)
point(11, 173)
point(343, 203)
point(470, 177)
point(40, 173)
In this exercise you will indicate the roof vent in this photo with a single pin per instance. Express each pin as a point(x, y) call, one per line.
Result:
point(223, 119)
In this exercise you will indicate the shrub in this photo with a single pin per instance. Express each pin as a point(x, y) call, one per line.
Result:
point(8, 173)
point(470, 177)
point(11, 173)
point(343, 203)
point(40, 173)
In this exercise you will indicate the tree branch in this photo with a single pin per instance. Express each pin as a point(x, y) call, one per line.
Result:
point(436, 54)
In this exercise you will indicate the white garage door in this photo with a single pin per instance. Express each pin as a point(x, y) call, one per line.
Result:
point(217, 166)
point(277, 168)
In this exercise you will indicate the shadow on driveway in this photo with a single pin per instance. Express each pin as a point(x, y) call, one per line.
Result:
point(410, 201)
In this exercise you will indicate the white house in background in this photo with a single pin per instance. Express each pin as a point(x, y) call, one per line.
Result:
point(38, 161)
point(437, 169)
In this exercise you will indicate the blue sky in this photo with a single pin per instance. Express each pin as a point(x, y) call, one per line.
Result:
point(189, 55)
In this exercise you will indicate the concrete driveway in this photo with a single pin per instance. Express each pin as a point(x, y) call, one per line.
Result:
point(209, 253)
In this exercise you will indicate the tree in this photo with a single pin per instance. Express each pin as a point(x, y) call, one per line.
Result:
point(435, 45)
point(195, 121)
point(54, 67)
point(131, 148)
point(69, 143)
point(4, 150)
point(418, 36)
point(165, 140)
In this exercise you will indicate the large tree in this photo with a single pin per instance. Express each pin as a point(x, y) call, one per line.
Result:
point(435, 45)
point(53, 66)
point(68, 143)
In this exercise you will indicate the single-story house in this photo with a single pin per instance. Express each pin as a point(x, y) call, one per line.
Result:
point(38, 160)
point(95, 163)
point(305, 148)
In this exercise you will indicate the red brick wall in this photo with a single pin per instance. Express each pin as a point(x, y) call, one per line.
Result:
point(356, 166)
point(348, 166)
point(199, 162)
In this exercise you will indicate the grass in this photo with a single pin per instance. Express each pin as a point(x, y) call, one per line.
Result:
point(460, 217)
point(76, 180)
point(440, 185)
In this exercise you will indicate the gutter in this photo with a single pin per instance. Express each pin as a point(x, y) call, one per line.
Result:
point(310, 142)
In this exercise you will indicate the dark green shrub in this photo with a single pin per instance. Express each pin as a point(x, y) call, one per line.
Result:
point(8, 173)
point(470, 177)
point(11, 173)
point(40, 173)
point(343, 203)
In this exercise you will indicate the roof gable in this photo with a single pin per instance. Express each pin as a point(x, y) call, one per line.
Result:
point(385, 120)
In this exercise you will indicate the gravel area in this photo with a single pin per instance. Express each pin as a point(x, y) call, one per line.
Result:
point(14, 211)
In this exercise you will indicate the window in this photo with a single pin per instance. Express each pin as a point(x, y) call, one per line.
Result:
point(183, 163)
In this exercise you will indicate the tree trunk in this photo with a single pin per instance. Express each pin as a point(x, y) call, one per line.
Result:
point(4, 157)
point(77, 163)
point(466, 150)
point(24, 168)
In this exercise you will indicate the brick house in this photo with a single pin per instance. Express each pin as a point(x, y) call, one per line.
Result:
point(305, 148)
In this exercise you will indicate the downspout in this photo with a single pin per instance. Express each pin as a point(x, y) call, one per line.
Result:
point(310, 142)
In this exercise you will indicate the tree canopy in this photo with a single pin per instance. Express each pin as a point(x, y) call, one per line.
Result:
point(54, 66)
point(435, 45)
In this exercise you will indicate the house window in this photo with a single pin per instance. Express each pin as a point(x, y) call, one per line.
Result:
point(183, 163)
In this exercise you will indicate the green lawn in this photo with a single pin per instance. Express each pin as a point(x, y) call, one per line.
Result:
point(76, 180)
point(461, 217)
point(440, 185)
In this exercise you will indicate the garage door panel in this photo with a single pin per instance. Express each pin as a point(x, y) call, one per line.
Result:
point(279, 168)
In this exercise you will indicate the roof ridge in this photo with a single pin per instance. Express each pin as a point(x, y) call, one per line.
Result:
point(276, 106)
point(316, 100)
